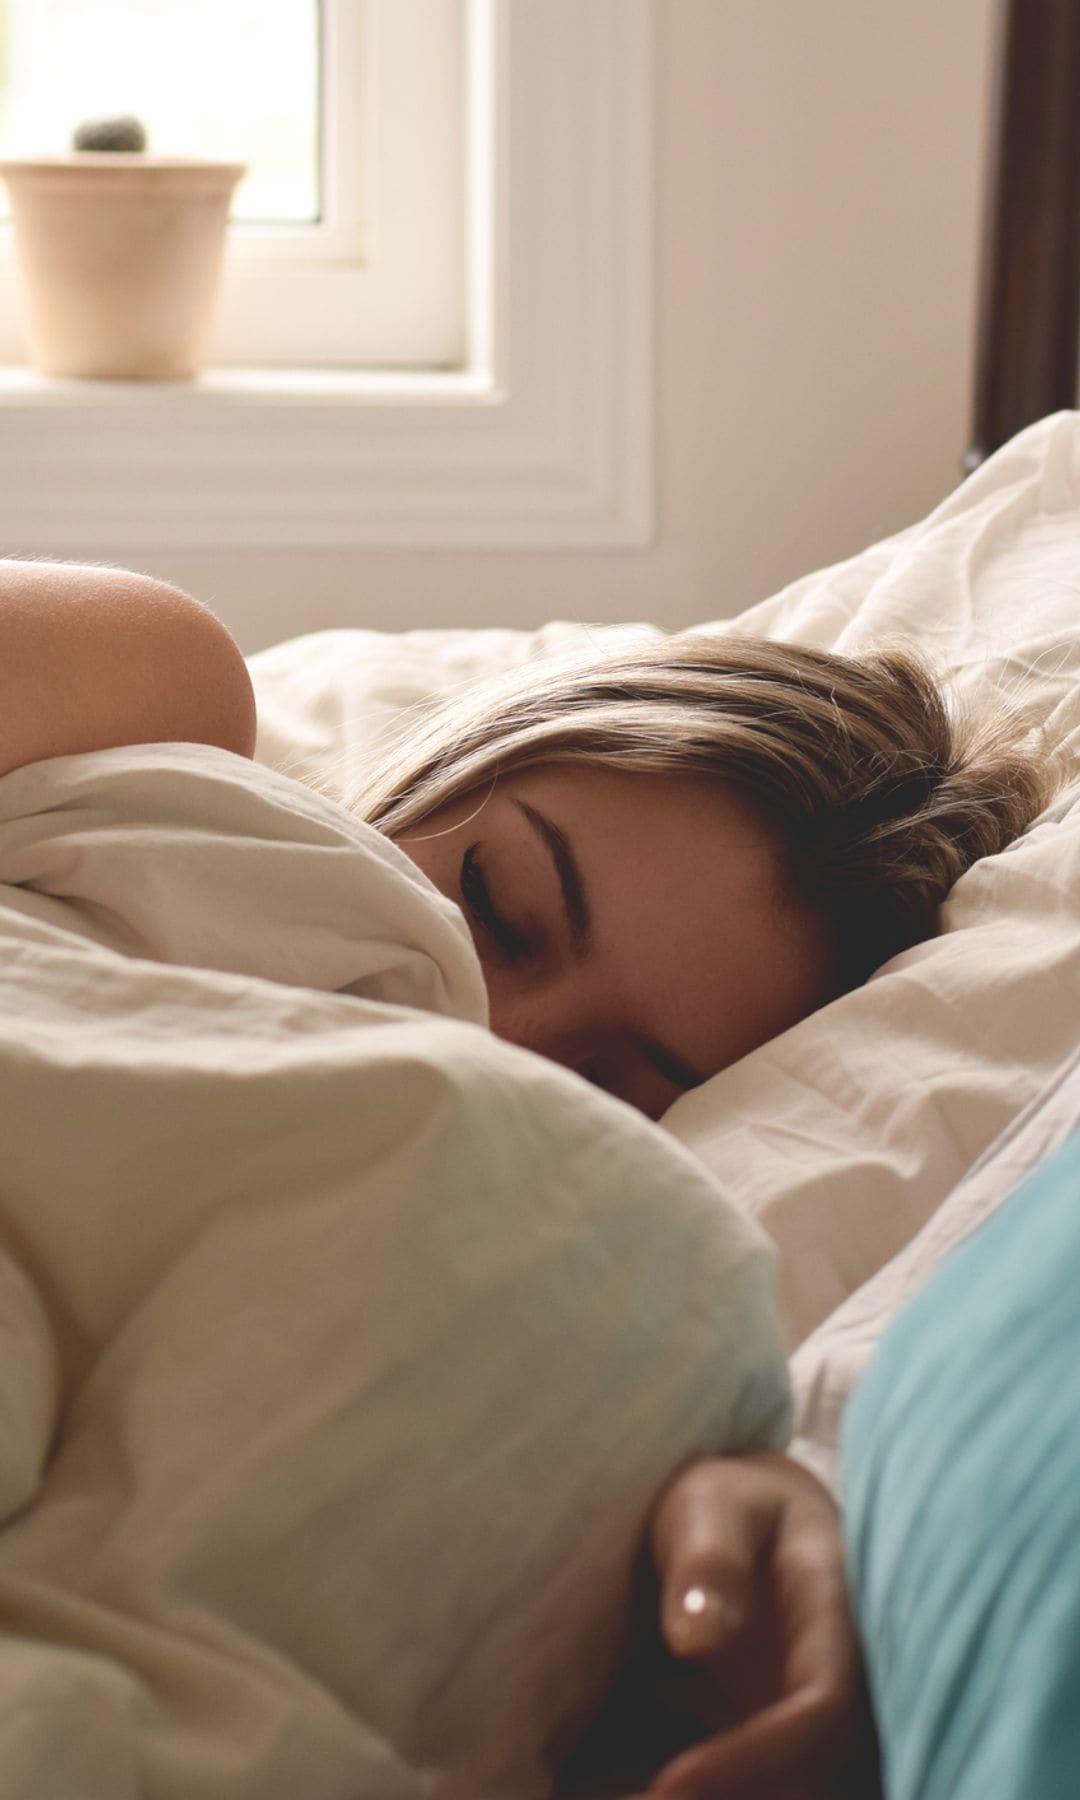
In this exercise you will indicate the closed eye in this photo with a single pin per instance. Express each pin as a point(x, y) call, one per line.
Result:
point(482, 910)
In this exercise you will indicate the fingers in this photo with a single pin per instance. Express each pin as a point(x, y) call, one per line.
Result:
point(809, 1584)
point(780, 1747)
point(708, 1532)
point(752, 1585)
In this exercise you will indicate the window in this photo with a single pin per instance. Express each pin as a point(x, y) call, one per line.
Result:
point(539, 436)
point(348, 241)
point(235, 79)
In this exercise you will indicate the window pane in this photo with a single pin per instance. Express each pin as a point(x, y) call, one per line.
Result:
point(237, 79)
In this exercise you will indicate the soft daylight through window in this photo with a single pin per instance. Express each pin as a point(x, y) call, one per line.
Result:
point(235, 79)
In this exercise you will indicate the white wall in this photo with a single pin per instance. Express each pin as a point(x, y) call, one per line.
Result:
point(818, 189)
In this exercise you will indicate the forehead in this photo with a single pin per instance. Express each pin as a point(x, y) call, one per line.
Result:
point(705, 828)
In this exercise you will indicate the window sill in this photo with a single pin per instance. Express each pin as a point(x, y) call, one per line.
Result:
point(23, 387)
point(292, 460)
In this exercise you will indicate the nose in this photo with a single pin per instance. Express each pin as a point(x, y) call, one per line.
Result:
point(525, 1023)
point(552, 1021)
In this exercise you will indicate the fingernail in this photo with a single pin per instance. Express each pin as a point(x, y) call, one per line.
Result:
point(702, 1616)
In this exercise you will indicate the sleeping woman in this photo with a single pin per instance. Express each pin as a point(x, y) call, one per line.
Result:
point(665, 857)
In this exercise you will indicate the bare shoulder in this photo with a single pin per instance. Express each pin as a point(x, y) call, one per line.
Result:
point(92, 657)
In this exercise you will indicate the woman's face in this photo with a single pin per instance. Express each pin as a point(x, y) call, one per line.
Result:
point(629, 926)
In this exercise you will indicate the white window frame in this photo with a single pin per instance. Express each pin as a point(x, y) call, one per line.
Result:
point(543, 439)
point(381, 286)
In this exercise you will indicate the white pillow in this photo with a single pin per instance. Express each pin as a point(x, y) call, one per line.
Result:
point(831, 1362)
point(843, 1135)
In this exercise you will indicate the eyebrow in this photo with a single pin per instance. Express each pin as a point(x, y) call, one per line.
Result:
point(575, 900)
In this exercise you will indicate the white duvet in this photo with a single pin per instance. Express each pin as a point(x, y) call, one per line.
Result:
point(343, 1348)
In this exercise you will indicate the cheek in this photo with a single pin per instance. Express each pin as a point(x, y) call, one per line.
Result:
point(716, 1008)
point(793, 973)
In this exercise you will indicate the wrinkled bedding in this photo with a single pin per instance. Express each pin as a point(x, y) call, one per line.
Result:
point(829, 1366)
point(343, 1347)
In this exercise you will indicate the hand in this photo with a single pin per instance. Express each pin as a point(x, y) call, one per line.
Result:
point(750, 1562)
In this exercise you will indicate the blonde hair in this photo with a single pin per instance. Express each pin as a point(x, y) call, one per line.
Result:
point(879, 794)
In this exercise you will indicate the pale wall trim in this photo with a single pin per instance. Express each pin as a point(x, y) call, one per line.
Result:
point(546, 442)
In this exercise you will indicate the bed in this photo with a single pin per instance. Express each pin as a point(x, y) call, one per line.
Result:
point(199, 1602)
point(843, 1136)
point(874, 1141)
point(851, 1139)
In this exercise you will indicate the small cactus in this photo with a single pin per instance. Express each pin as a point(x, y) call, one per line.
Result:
point(125, 133)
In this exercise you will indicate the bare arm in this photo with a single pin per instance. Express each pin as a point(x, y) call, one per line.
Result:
point(93, 657)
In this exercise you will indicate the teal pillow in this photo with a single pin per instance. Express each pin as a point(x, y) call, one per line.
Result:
point(962, 1511)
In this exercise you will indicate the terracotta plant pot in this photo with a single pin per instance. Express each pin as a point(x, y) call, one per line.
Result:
point(120, 257)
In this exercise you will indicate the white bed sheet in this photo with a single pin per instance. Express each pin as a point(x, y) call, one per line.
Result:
point(828, 1367)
